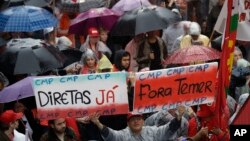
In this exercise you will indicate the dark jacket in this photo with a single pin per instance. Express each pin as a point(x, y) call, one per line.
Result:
point(51, 136)
point(3, 136)
point(118, 60)
point(144, 50)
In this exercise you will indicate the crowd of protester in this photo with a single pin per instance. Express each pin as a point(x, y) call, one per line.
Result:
point(147, 51)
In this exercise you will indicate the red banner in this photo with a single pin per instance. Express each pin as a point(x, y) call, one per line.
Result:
point(168, 88)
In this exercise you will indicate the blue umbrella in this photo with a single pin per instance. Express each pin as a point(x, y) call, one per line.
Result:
point(25, 19)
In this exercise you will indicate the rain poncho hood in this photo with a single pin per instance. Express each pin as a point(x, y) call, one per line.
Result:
point(104, 63)
point(118, 58)
point(100, 47)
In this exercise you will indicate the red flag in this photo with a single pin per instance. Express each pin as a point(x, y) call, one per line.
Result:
point(226, 60)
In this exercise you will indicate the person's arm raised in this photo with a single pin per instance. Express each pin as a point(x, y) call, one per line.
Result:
point(95, 119)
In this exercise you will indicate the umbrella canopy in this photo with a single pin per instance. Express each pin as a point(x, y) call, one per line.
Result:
point(71, 55)
point(128, 5)
point(24, 59)
point(81, 6)
point(26, 19)
point(193, 54)
point(19, 90)
point(142, 20)
point(95, 17)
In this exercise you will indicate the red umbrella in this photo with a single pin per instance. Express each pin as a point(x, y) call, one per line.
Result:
point(95, 17)
point(193, 54)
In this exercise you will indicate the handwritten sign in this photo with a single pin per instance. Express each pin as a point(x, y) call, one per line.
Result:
point(168, 88)
point(79, 95)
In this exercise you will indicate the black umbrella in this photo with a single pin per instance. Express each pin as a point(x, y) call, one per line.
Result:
point(71, 55)
point(142, 20)
point(21, 58)
point(41, 59)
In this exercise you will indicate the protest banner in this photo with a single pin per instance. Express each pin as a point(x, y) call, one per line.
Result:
point(243, 10)
point(80, 95)
point(168, 88)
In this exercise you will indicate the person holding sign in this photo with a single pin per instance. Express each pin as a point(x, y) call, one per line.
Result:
point(136, 131)
point(122, 62)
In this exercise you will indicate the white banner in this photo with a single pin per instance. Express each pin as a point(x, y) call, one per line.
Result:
point(79, 95)
point(243, 23)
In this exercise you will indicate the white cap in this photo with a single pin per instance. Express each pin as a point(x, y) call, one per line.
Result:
point(194, 29)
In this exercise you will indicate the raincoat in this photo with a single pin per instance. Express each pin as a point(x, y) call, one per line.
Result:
point(206, 118)
point(117, 61)
point(187, 41)
point(104, 63)
point(101, 47)
point(148, 133)
point(163, 117)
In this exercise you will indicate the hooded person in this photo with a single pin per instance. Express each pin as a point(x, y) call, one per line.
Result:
point(173, 35)
point(121, 61)
point(194, 37)
point(104, 65)
point(205, 117)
